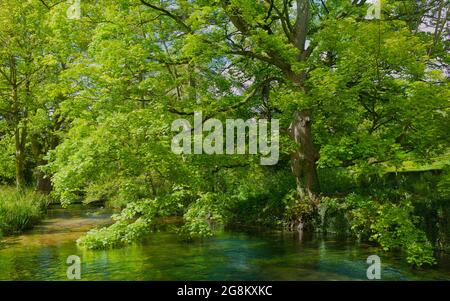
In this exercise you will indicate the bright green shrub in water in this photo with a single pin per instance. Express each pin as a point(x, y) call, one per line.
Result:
point(392, 225)
point(116, 235)
point(135, 221)
point(395, 227)
point(19, 210)
point(202, 216)
point(131, 224)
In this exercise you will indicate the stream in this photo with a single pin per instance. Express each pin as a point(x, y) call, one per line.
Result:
point(41, 254)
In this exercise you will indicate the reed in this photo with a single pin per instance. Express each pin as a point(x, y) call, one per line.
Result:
point(20, 210)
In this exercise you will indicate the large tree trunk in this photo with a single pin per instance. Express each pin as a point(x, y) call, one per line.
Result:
point(303, 164)
point(304, 161)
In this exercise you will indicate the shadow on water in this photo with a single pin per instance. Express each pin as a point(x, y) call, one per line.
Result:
point(252, 255)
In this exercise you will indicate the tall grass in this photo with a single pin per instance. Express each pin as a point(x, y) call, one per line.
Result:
point(20, 210)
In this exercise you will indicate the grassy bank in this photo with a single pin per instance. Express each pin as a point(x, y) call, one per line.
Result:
point(20, 210)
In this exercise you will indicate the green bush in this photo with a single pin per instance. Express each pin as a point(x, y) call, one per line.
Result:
point(20, 210)
point(138, 219)
point(202, 217)
point(131, 224)
point(395, 227)
point(392, 225)
point(118, 234)
point(135, 221)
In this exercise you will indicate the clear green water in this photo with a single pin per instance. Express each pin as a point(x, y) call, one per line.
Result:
point(41, 255)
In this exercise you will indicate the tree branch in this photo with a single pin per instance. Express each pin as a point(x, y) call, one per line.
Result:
point(50, 6)
point(176, 18)
point(246, 99)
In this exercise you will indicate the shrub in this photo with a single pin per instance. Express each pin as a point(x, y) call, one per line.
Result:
point(202, 216)
point(135, 221)
point(131, 224)
point(392, 225)
point(395, 227)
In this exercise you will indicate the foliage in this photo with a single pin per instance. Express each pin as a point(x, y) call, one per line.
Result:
point(20, 210)
point(252, 196)
point(444, 183)
point(88, 104)
point(299, 213)
point(129, 159)
point(135, 220)
point(202, 216)
point(129, 226)
point(393, 226)
point(7, 168)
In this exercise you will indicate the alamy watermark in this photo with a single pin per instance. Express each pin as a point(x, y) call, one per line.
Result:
point(74, 270)
point(74, 10)
point(374, 10)
point(261, 140)
point(374, 270)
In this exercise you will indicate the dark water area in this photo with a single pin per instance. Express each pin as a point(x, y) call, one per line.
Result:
point(41, 254)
